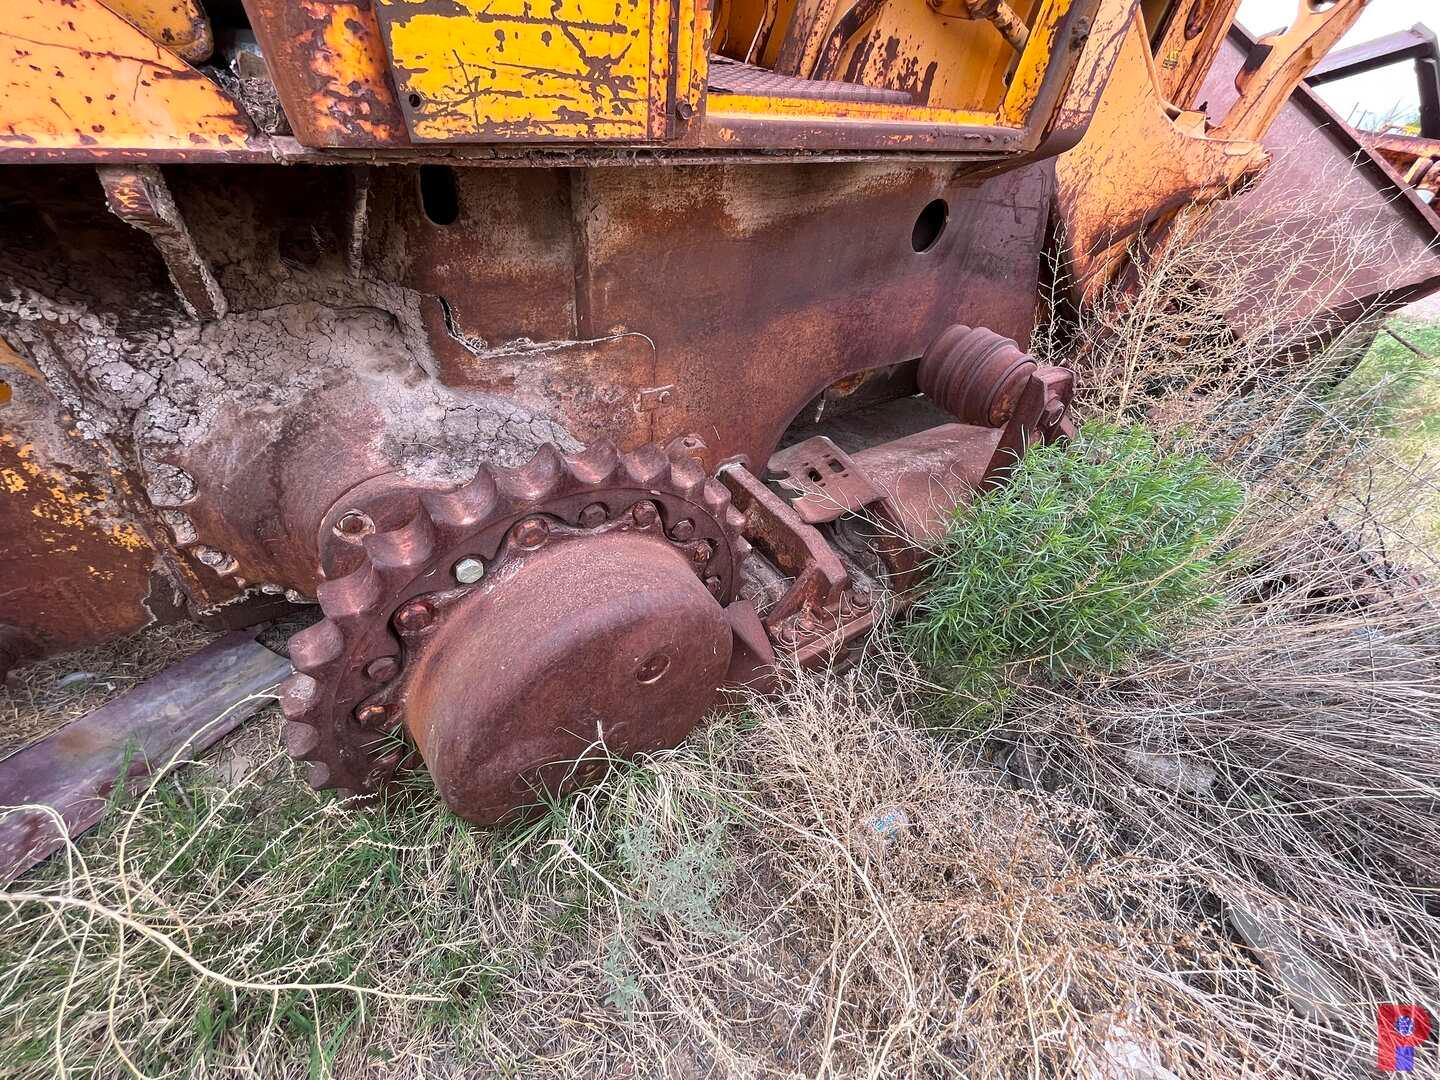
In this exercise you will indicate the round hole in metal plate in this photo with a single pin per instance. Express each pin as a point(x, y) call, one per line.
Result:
point(929, 225)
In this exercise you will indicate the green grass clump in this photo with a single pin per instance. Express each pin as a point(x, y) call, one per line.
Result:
point(1393, 389)
point(262, 929)
point(1093, 550)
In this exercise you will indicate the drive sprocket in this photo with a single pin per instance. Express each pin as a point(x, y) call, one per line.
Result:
point(393, 547)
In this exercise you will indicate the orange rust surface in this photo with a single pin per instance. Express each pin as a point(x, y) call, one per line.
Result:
point(76, 570)
point(1280, 61)
point(330, 68)
point(180, 25)
point(1188, 47)
point(73, 74)
point(1136, 164)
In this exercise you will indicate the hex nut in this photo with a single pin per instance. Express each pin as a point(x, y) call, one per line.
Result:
point(532, 533)
point(594, 515)
point(644, 513)
point(353, 524)
point(684, 529)
point(414, 616)
point(469, 570)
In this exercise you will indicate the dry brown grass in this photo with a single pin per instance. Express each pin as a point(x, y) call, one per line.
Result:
point(40, 698)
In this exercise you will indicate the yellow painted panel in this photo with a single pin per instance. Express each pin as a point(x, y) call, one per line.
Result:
point(723, 105)
point(74, 75)
point(523, 71)
point(1041, 51)
point(942, 61)
point(177, 24)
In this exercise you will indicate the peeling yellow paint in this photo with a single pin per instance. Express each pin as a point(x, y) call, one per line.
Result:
point(509, 69)
point(74, 74)
point(177, 24)
point(61, 501)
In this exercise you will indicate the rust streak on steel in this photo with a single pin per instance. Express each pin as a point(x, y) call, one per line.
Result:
point(184, 709)
point(330, 70)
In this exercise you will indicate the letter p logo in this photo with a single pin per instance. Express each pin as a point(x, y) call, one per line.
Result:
point(1399, 1029)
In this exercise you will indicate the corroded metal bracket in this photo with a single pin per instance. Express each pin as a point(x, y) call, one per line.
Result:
point(139, 196)
point(1141, 159)
point(822, 610)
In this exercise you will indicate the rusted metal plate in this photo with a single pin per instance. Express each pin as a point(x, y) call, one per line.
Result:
point(824, 481)
point(78, 569)
point(181, 25)
point(328, 62)
point(183, 710)
point(489, 70)
point(76, 76)
point(1320, 162)
point(808, 274)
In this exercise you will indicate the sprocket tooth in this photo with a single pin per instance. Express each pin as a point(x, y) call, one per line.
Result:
point(467, 506)
point(734, 521)
point(318, 776)
point(401, 553)
point(351, 598)
point(312, 651)
point(596, 464)
point(716, 499)
point(687, 477)
point(301, 740)
point(534, 480)
point(646, 466)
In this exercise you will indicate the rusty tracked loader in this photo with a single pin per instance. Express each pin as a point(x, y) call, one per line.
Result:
point(575, 358)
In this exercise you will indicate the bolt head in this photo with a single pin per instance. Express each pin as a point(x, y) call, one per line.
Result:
point(684, 529)
point(371, 715)
point(714, 584)
point(353, 524)
point(699, 552)
point(532, 532)
point(594, 515)
point(644, 513)
point(469, 570)
point(383, 669)
point(414, 616)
